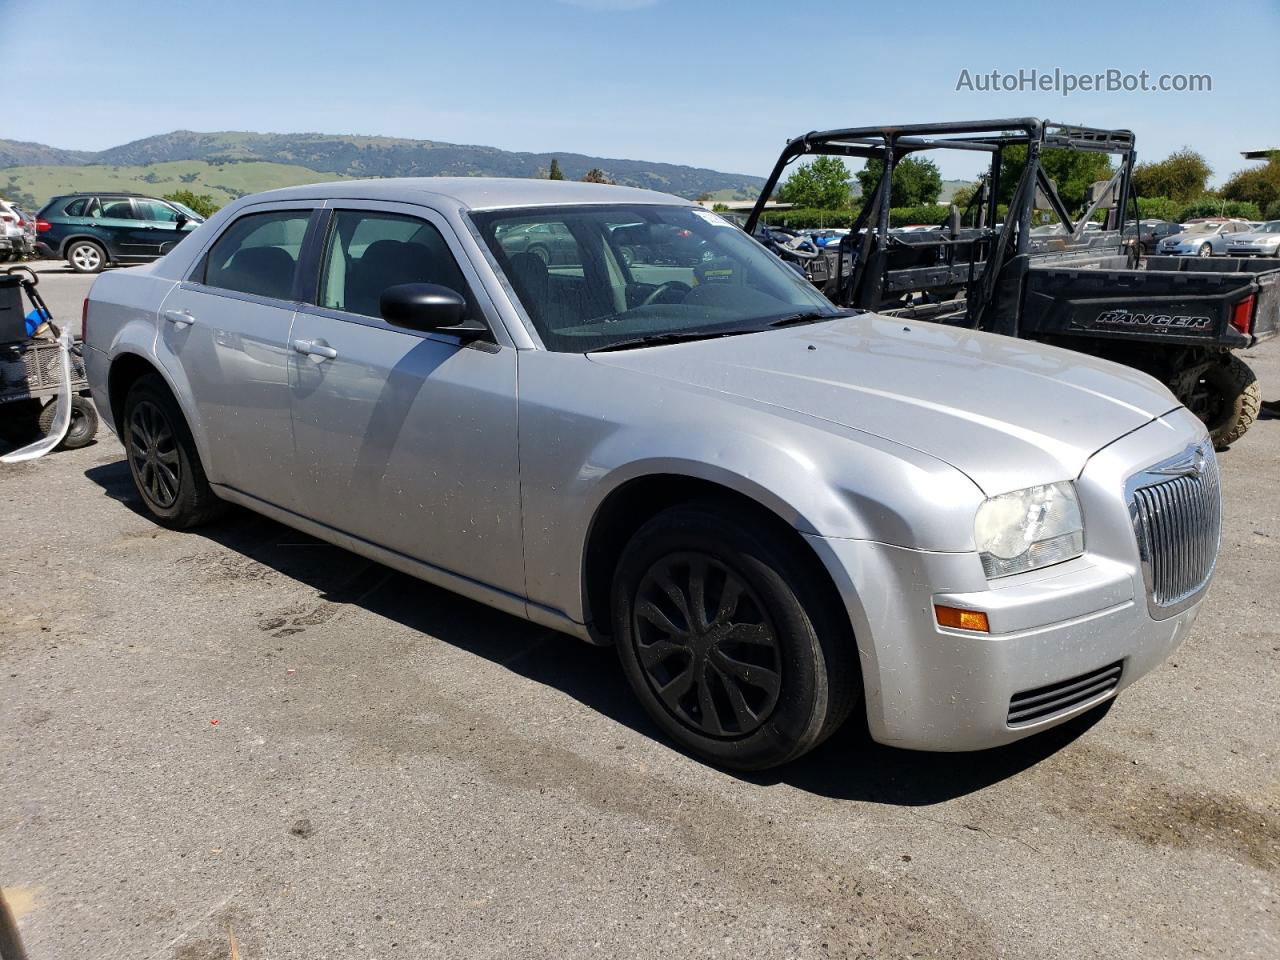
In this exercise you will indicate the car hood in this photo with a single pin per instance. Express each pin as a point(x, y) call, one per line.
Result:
point(1255, 237)
point(1008, 413)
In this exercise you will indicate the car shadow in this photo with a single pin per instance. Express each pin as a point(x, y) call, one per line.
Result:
point(849, 766)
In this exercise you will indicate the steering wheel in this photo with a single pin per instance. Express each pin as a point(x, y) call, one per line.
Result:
point(664, 288)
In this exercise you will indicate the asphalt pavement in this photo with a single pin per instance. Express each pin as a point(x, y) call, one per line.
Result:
point(242, 733)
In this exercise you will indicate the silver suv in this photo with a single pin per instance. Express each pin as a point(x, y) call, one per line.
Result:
point(778, 512)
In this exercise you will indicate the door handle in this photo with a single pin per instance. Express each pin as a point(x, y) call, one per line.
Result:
point(312, 349)
point(179, 318)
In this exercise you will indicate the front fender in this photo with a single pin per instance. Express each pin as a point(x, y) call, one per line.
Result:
point(584, 441)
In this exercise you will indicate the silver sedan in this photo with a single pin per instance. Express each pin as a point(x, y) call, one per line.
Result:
point(780, 513)
point(1205, 238)
point(1261, 241)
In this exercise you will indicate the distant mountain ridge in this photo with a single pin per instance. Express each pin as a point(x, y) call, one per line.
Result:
point(367, 156)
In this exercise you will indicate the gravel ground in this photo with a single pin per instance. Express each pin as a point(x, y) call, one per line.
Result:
point(244, 733)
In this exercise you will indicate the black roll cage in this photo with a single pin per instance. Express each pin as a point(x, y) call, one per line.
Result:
point(889, 144)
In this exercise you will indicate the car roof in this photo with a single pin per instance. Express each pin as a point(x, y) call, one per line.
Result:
point(473, 193)
point(104, 193)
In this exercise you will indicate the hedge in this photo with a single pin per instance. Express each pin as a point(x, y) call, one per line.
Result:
point(1180, 211)
point(806, 218)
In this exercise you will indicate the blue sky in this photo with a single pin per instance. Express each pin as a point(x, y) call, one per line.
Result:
point(717, 84)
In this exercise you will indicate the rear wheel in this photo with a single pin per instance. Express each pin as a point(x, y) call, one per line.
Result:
point(1228, 399)
point(726, 640)
point(163, 459)
point(85, 256)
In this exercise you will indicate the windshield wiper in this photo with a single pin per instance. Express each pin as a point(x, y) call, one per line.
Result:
point(675, 336)
point(811, 316)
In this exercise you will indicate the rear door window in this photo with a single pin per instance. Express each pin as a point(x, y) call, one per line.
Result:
point(117, 208)
point(258, 254)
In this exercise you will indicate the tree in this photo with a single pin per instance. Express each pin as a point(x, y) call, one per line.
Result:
point(596, 175)
point(554, 173)
point(201, 203)
point(823, 184)
point(1183, 175)
point(1072, 171)
point(916, 181)
point(1257, 185)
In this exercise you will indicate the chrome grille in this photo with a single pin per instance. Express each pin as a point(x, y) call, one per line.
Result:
point(1177, 517)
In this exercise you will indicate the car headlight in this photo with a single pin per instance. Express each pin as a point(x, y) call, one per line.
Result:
point(1029, 529)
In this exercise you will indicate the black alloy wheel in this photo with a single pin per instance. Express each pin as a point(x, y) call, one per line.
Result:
point(153, 455)
point(707, 647)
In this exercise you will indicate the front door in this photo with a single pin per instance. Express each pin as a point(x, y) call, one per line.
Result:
point(405, 439)
point(224, 336)
point(159, 229)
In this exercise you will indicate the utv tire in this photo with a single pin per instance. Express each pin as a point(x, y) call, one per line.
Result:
point(163, 459)
point(1238, 399)
point(84, 423)
point(727, 640)
point(85, 256)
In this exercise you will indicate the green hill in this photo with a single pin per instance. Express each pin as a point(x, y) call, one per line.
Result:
point(315, 156)
point(223, 181)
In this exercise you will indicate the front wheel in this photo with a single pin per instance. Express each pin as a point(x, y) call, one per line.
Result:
point(163, 459)
point(726, 640)
point(85, 256)
point(1205, 250)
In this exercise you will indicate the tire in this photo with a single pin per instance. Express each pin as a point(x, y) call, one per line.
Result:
point(541, 253)
point(1237, 399)
point(86, 256)
point(1205, 250)
point(767, 677)
point(84, 423)
point(162, 458)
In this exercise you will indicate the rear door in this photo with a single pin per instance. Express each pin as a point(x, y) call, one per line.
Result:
point(117, 222)
point(224, 333)
point(405, 439)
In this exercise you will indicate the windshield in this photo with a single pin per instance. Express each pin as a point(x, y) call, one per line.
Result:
point(1271, 226)
point(594, 276)
point(1203, 228)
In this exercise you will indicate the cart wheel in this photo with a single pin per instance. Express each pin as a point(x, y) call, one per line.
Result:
point(1232, 400)
point(84, 423)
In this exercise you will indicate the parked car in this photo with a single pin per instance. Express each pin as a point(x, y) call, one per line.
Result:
point(553, 244)
point(13, 233)
point(1262, 241)
point(777, 510)
point(92, 230)
point(1202, 238)
point(1151, 232)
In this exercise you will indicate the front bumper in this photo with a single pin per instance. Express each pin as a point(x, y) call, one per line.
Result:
point(1253, 251)
point(933, 688)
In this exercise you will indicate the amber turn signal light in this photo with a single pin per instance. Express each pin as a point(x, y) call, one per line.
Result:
point(961, 619)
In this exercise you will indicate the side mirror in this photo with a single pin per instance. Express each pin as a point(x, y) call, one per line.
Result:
point(426, 307)
point(182, 221)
